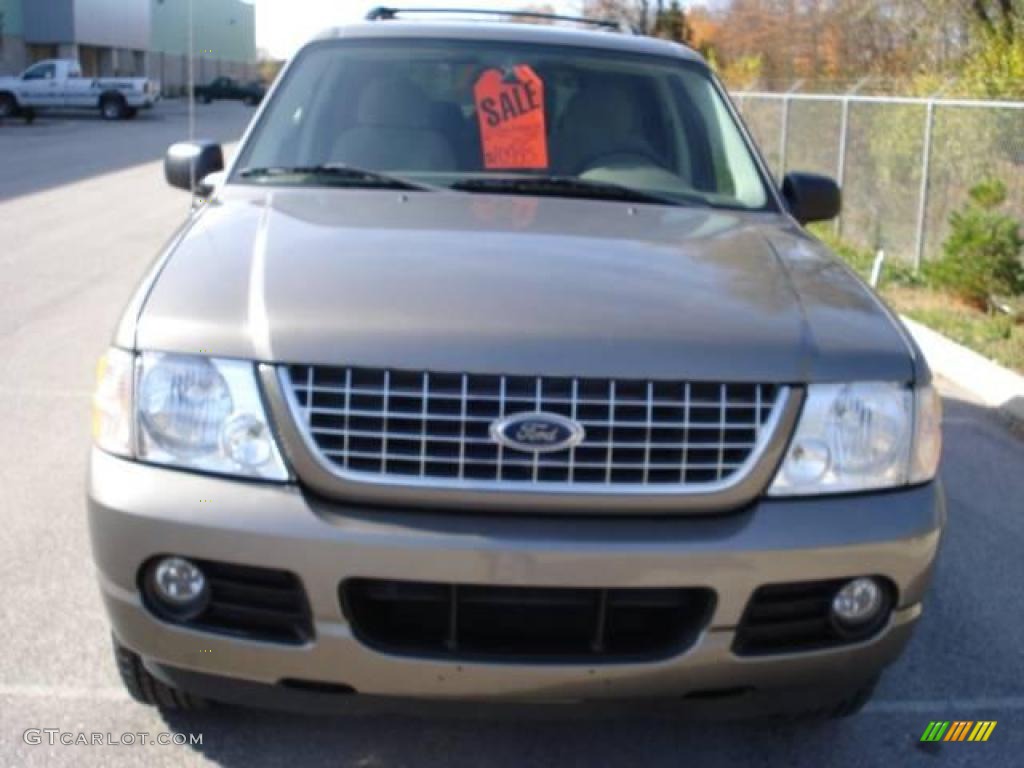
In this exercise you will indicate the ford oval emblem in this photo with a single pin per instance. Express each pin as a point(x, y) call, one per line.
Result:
point(537, 432)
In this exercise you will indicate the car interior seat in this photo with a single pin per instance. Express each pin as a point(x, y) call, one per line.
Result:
point(394, 129)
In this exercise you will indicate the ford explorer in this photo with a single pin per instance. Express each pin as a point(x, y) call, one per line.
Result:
point(497, 366)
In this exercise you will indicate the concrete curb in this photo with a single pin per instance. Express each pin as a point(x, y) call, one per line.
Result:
point(999, 388)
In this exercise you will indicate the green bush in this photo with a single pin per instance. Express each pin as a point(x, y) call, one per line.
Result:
point(894, 272)
point(995, 68)
point(982, 256)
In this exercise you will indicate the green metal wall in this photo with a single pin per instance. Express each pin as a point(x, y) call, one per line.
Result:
point(224, 29)
point(11, 11)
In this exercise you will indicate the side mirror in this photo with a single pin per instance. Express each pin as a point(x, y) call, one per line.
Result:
point(192, 160)
point(811, 197)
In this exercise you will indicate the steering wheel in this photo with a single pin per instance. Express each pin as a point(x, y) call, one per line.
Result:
point(622, 157)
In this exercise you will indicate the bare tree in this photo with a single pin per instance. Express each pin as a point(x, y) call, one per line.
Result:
point(1003, 17)
point(634, 12)
point(540, 8)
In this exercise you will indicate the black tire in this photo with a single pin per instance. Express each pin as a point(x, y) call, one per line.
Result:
point(805, 705)
point(8, 106)
point(251, 101)
point(855, 702)
point(113, 107)
point(203, 98)
point(146, 689)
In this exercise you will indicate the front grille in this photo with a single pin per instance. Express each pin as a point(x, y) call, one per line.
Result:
point(246, 601)
point(436, 426)
point(461, 621)
point(783, 618)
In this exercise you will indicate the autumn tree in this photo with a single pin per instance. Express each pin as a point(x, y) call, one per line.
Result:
point(907, 46)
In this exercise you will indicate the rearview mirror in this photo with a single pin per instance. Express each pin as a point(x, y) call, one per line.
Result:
point(189, 162)
point(811, 197)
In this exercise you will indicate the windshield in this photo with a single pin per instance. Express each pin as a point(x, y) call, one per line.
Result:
point(473, 115)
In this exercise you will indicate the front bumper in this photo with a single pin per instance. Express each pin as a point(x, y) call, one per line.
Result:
point(138, 511)
point(145, 100)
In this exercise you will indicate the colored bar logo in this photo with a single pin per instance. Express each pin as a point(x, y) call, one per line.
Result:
point(958, 730)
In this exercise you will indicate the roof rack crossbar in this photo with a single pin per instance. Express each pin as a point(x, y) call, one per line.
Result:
point(382, 13)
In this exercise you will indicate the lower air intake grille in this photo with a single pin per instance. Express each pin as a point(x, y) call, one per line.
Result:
point(784, 618)
point(254, 603)
point(525, 623)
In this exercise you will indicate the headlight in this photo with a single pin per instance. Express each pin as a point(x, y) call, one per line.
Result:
point(185, 411)
point(858, 437)
point(112, 402)
point(924, 460)
point(207, 414)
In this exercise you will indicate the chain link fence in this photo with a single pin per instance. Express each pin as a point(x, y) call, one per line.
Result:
point(905, 164)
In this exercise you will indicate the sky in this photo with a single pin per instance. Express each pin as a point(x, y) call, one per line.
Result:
point(283, 25)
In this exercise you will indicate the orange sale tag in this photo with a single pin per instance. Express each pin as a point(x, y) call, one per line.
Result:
point(510, 110)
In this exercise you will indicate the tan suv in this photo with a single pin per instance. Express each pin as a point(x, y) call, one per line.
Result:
point(498, 367)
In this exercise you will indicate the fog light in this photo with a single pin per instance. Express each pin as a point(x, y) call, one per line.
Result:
point(858, 602)
point(179, 585)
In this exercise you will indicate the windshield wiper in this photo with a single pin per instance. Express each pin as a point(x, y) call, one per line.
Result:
point(564, 186)
point(336, 173)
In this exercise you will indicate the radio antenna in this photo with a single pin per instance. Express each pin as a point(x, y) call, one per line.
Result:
point(191, 105)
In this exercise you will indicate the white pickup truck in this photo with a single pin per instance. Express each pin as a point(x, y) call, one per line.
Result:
point(58, 84)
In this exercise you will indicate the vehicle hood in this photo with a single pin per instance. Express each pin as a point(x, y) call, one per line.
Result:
point(478, 283)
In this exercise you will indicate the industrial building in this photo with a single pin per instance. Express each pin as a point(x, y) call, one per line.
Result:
point(132, 37)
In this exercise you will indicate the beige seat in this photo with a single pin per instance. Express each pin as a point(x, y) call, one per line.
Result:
point(394, 130)
point(600, 122)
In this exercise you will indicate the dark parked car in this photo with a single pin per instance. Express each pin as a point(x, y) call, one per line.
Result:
point(226, 88)
point(497, 366)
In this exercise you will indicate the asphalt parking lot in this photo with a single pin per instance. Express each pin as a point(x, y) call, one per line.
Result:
point(83, 210)
point(61, 148)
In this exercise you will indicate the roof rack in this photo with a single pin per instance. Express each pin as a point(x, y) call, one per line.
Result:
point(382, 13)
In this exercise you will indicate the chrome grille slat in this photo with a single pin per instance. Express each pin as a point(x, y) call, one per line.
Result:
point(654, 445)
point(573, 415)
point(501, 415)
point(721, 427)
point(394, 425)
point(387, 416)
point(757, 429)
point(309, 397)
point(415, 416)
point(423, 423)
point(537, 407)
point(522, 462)
point(686, 420)
point(348, 400)
point(647, 435)
point(462, 429)
point(548, 399)
point(611, 428)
